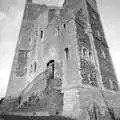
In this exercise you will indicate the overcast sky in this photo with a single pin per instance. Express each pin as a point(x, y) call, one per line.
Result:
point(11, 12)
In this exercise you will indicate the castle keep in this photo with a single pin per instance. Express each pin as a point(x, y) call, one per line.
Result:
point(62, 64)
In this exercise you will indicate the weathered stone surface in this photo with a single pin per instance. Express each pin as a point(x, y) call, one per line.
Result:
point(62, 64)
point(106, 67)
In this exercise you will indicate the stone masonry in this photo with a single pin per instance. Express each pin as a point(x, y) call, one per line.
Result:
point(62, 65)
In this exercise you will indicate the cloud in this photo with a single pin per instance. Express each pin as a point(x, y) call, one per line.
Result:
point(2, 16)
point(10, 26)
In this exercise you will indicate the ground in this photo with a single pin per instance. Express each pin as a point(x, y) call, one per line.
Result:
point(7, 117)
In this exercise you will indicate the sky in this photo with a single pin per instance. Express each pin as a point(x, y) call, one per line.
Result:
point(11, 12)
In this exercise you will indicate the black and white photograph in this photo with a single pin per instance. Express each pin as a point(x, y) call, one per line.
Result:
point(59, 60)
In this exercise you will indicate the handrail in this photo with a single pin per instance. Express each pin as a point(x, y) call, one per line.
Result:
point(40, 76)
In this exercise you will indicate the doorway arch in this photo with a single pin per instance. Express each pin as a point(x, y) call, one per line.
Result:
point(51, 67)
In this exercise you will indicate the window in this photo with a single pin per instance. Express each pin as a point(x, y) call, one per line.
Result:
point(41, 34)
point(64, 25)
point(90, 56)
point(31, 69)
point(66, 53)
point(58, 28)
point(35, 67)
point(50, 67)
point(115, 86)
point(84, 52)
point(93, 78)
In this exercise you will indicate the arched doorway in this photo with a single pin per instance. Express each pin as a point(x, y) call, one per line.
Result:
point(51, 67)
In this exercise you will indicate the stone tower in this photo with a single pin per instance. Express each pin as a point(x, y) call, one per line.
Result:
point(62, 53)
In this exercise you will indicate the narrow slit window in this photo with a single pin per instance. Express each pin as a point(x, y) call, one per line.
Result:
point(35, 67)
point(58, 28)
point(64, 25)
point(84, 52)
point(90, 56)
point(41, 34)
point(66, 53)
point(31, 69)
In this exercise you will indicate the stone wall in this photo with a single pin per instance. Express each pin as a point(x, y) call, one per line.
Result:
point(106, 67)
point(32, 11)
point(43, 94)
point(87, 67)
point(71, 88)
point(22, 62)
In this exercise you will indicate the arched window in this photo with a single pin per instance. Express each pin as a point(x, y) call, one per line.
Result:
point(66, 53)
point(50, 62)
